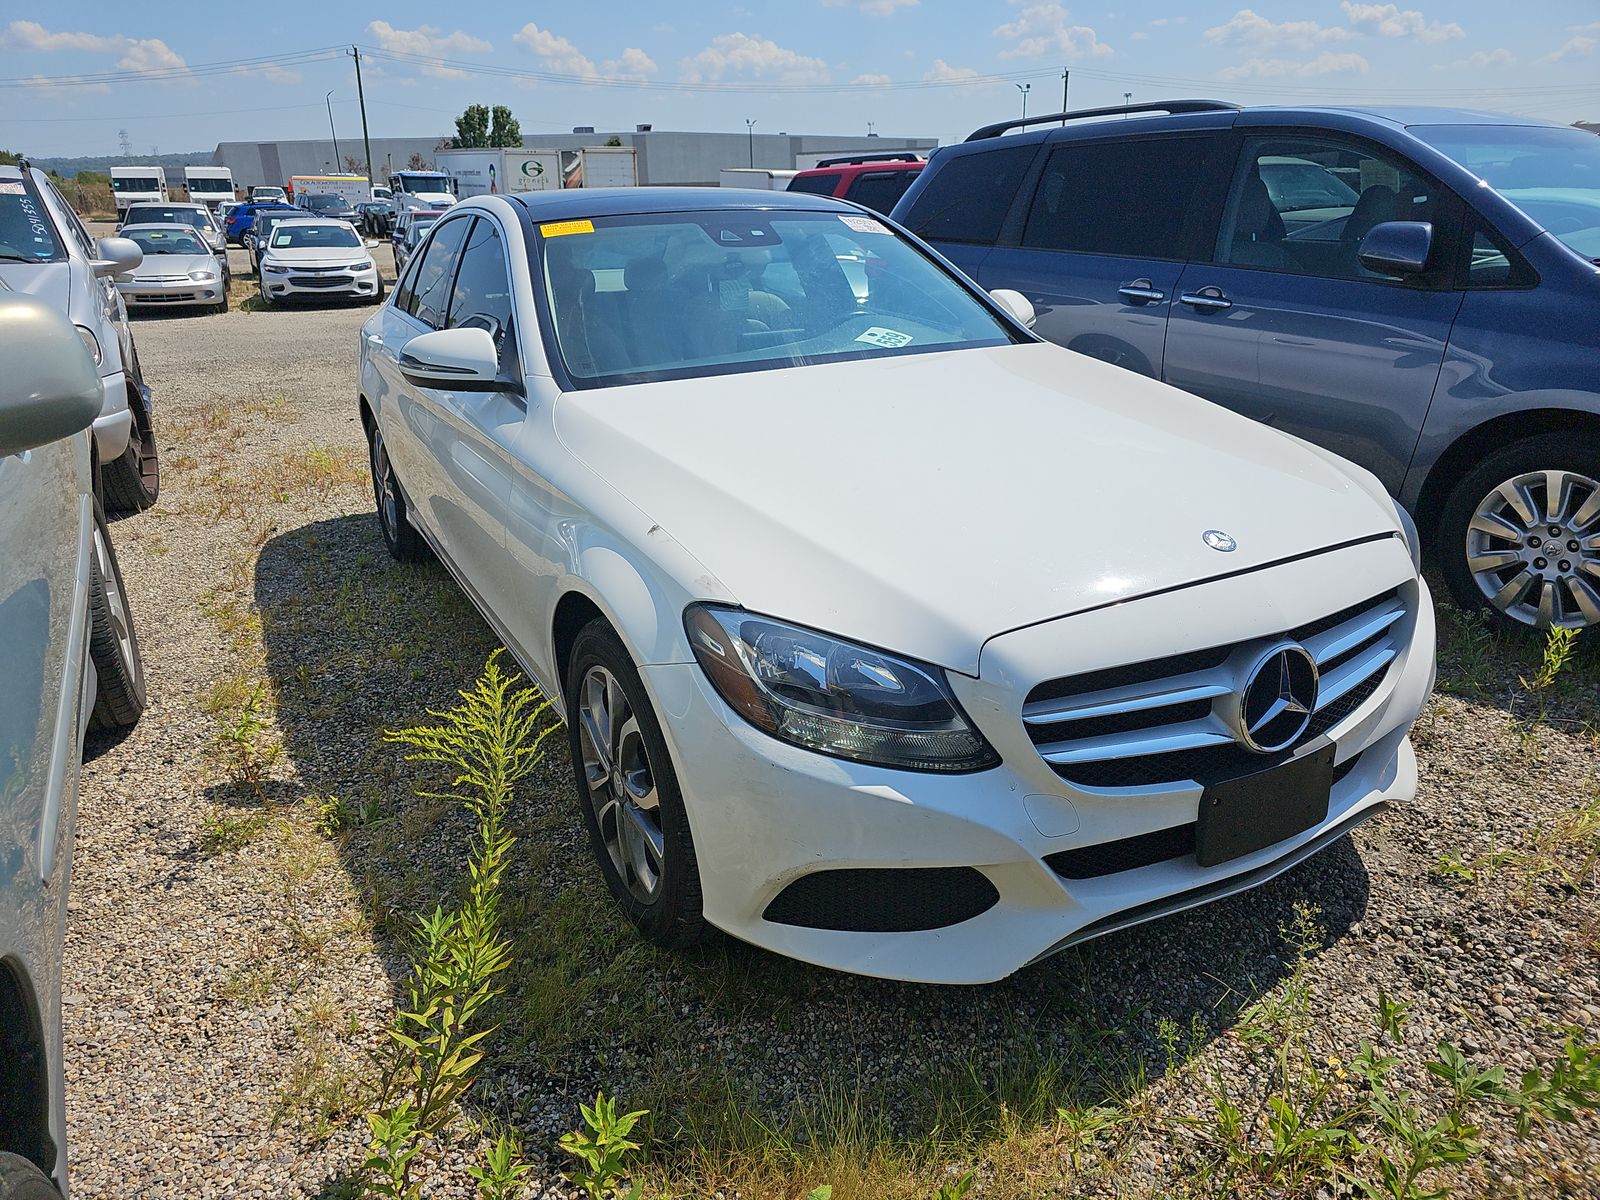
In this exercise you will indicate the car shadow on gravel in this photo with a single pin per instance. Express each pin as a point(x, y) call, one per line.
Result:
point(725, 1041)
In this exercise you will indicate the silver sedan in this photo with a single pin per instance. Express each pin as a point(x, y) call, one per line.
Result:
point(178, 269)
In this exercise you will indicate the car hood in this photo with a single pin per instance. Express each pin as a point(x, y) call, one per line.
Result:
point(314, 256)
point(925, 504)
point(155, 266)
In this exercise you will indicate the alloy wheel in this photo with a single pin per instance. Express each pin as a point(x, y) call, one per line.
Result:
point(386, 489)
point(621, 785)
point(1533, 547)
point(117, 608)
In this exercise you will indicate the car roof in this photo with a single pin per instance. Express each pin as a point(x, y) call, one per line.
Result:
point(169, 204)
point(863, 168)
point(616, 202)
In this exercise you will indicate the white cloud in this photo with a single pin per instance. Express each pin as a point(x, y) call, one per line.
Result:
point(1480, 59)
point(1249, 28)
point(554, 52)
point(1277, 68)
point(873, 8)
point(1585, 38)
point(632, 63)
point(1389, 21)
point(137, 54)
point(756, 57)
point(149, 54)
point(426, 40)
point(1138, 35)
point(943, 72)
point(1043, 29)
point(870, 79)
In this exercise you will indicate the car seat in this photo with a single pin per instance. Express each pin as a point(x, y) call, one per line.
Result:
point(1258, 230)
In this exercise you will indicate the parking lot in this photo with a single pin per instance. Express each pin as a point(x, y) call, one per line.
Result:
point(249, 857)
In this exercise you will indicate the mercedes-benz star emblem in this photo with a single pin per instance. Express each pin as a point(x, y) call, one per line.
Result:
point(1218, 540)
point(1278, 699)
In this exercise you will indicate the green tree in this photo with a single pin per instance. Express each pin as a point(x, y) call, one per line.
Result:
point(9, 158)
point(506, 131)
point(472, 127)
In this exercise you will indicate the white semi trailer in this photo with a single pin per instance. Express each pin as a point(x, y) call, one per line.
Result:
point(488, 171)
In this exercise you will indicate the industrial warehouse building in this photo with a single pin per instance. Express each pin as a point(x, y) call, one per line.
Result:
point(667, 158)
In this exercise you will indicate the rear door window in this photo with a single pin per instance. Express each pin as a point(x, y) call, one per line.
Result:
point(880, 190)
point(818, 185)
point(969, 195)
point(1124, 199)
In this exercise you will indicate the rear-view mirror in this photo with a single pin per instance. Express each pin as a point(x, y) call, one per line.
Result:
point(118, 256)
point(1397, 247)
point(1015, 303)
point(460, 359)
point(49, 388)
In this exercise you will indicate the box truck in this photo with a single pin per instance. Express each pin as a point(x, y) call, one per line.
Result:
point(353, 189)
point(208, 185)
point(489, 171)
point(138, 185)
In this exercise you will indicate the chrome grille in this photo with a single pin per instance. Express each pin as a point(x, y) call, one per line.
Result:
point(1160, 721)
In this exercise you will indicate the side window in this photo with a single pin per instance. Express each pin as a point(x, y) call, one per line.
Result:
point(1129, 199)
point(969, 195)
point(436, 273)
point(405, 293)
point(482, 297)
point(880, 190)
point(1303, 205)
point(69, 218)
point(1494, 264)
point(820, 185)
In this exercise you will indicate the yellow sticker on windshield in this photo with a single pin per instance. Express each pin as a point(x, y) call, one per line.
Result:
point(562, 228)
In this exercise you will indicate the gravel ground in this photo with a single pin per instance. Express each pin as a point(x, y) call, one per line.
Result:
point(231, 961)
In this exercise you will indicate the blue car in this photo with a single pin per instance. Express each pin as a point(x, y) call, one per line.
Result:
point(243, 217)
point(1414, 289)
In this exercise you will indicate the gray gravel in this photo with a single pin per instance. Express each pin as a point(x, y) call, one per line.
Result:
point(229, 967)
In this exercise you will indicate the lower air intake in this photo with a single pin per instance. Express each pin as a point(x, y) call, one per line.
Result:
point(883, 899)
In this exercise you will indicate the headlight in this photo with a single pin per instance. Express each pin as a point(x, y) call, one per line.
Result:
point(274, 269)
point(90, 343)
point(361, 264)
point(203, 276)
point(832, 696)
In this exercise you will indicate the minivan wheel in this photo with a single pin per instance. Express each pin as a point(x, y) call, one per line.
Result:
point(132, 481)
point(628, 792)
point(403, 541)
point(1520, 534)
point(113, 646)
point(21, 1180)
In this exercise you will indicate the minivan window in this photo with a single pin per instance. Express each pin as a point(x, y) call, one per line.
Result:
point(818, 185)
point(969, 195)
point(1127, 199)
point(880, 190)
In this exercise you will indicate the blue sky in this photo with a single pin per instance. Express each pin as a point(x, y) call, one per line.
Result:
point(913, 67)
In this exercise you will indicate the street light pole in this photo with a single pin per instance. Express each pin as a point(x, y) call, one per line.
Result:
point(337, 161)
point(1024, 88)
point(750, 132)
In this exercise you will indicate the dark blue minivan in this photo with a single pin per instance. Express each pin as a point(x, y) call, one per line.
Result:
point(1415, 289)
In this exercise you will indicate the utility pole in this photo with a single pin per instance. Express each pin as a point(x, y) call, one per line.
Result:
point(1127, 98)
point(1066, 75)
point(366, 142)
point(750, 131)
point(1024, 88)
point(338, 162)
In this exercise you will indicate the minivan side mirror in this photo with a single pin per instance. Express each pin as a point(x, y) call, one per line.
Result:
point(462, 359)
point(118, 256)
point(49, 388)
point(1015, 303)
point(1397, 247)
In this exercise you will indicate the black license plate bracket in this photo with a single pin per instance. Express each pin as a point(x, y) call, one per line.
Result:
point(1251, 812)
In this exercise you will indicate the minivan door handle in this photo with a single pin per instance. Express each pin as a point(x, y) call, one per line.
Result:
point(1207, 299)
point(1141, 291)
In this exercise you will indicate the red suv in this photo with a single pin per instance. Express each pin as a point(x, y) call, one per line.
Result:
point(875, 180)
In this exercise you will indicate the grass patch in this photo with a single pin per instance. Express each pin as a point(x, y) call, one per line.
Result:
point(227, 832)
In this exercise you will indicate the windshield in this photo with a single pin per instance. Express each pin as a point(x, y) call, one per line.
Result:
point(680, 295)
point(324, 203)
point(301, 237)
point(1553, 175)
point(141, 214)
point(25, 231)
point(166, 241)
point(136, 183)
point(214, 186)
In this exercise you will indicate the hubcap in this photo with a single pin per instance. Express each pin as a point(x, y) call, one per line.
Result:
point(384, 487)
point(620, 783)
point(117, 607)
point(1533, 547)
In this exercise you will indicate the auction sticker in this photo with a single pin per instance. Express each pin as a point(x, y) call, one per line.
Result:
point(562, 228)
point(889, 339)
point(11, 187)
point(864, 225)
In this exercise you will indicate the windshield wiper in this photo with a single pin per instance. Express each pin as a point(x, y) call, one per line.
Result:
point(19, 258)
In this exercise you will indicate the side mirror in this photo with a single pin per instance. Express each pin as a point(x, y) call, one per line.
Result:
point(463, 360)
point(1015, 303)
point(1397, 247)
point(49, 388)
point(118, 256)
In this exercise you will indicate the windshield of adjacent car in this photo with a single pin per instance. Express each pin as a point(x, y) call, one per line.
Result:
point(1552, 174)
point(166, 241)
point(144, 214)
point(300, 237)
point(325, 202)
point(211, 185)
point(135, 183)
point(681, 295)
point(26, 233)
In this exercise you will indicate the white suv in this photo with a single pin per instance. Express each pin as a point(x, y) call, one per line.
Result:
point(888, 636)
point(46, 252)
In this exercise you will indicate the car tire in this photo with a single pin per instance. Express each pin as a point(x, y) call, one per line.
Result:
point(21, 1180)
point(633, 808)
point(113, 645)
point(132, 481)
point(223, 306)
point(1563, 583)
point(399, 535)
point(377, 297)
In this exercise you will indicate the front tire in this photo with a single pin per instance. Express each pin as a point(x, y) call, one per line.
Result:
point(21, 1180)
point(402, 539)
point(113, 647)
point(132, 481)
point(628, 792)
point(1519, 535)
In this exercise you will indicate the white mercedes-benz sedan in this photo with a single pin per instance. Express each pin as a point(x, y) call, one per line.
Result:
point(887, 635)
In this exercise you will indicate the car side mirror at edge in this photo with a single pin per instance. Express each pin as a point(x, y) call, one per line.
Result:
point(463, 360)
point(49, 388)
point(1397, 247)
point(118, 256)
point(1015, 303)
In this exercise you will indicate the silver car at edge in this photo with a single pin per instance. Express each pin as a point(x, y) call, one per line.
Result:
point(69, 662)
point(46, 252)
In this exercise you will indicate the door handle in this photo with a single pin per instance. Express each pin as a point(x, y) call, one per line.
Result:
point(1207, 299)
point(1141, 291)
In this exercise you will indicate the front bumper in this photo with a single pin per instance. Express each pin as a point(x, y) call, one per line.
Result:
point(320, 283)
point(173, 294)
point(764, 813)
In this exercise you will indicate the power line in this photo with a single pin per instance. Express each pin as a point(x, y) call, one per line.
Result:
point(236, 66)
